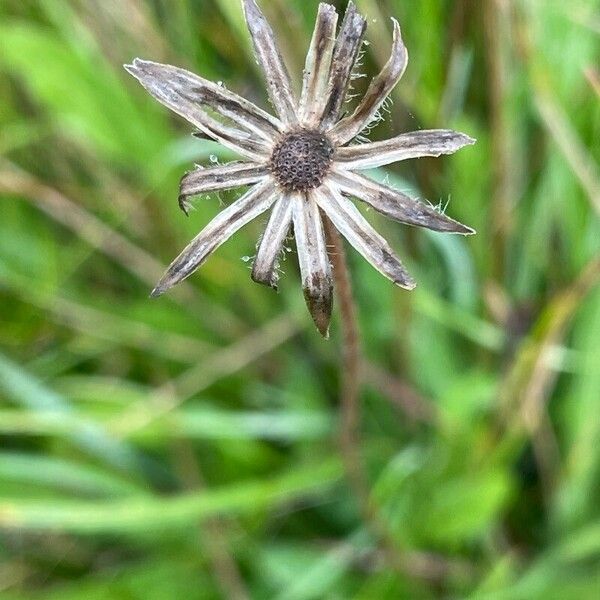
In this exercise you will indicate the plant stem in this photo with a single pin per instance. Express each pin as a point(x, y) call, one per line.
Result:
point(424, 566)
point(350, 368)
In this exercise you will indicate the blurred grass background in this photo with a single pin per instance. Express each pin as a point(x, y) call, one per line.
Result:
point(187, 447)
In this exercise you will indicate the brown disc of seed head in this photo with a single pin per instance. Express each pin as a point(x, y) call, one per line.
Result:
point(301, 159)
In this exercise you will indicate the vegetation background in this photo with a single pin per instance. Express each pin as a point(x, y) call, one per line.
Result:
point(187, 447)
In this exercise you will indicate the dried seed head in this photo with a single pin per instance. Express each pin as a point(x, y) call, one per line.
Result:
point(301, 159)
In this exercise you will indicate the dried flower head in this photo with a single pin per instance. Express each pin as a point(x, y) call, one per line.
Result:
point(302, 164)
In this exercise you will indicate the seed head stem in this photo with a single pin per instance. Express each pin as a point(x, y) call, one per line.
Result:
point(351, 377)
point(350, 367)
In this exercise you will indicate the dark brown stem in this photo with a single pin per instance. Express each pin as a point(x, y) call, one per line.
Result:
point(435, 568)
point(350, 368)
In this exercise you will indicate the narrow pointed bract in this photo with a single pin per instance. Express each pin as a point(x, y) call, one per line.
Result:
point(395, 204)
point(219, 230)
point(269, 58)
point(378, 91)
point(354, 227)
point(222, 177)
point(315, 269)
point(201, 91)
point(167, 89)
point(317, 67)
point(264, 269)
point(344, 58)
point(416, 144)
point(298, 163)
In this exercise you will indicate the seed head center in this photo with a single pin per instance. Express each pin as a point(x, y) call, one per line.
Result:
point(301, 159)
